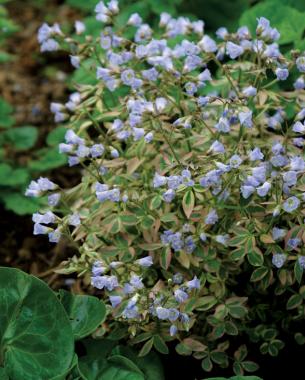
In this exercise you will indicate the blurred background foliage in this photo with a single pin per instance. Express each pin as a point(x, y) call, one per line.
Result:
point(286, 15)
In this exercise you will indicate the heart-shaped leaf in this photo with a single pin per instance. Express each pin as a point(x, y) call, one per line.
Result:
point(35, 332)
point(86, 313)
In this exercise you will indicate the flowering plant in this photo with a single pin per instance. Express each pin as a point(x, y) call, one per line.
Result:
point(189, 215)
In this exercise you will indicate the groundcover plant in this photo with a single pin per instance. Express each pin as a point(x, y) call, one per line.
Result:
point(189, 217)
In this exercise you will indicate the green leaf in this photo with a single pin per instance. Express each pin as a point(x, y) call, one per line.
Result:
point(231, 328)
point(255, 257)
point(237, 311)
point(298, 271)
point(299, 338)
point(258, 274)
point(122, 360)
point(165, 257)
point(151, 366)
point(147, 222)
point(183, 349)
point(294, 301)
point(147, 347)
point(188, 203)
point(219, 357)
point(92, 368)
point(249, 366)
point(129, 219)
point(206, 303)
point(86, 313)
point(280, 17)
point(151, 246)
point(160, 345)
point(56, 136)
point(87, 5)
point(22, 137)
point(13, 177)
point(35, 332)
point(6, 119)
point(49, 159)
point(20, 204)
point(3, 374)
point(207, 364)
point(98, 348)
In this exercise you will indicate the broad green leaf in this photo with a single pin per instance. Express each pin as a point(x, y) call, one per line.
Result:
point(22, 137)
point(92, 368)
point(49, 159)
point(111, 369)
point(98, 348)
point(280, 17)
point(150, 365)
point(86, 313)
point(3, 374)
point(20, 204)
point(56, 136)
point(216, 13)
point(12, 177)
point(297, 4)
point(35, 332)
point(5, 57)
point(87, 5)
point(6, 118)
point(121, 360)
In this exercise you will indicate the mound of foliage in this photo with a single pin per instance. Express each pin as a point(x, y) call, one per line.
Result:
point(189, 217)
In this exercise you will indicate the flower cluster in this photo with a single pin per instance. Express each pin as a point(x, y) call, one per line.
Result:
point(193, 175)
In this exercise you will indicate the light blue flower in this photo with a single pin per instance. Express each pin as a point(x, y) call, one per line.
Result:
point(180, 295)
point(194, 283)
point(278, 259)
point(211, 218)
point(145, 261)
point(300, 62)
point(173, 330)
point(233, 50)
point(291, 204)
point(281, 74)
point(115, 300)
point(263, 190)
point(256, 154)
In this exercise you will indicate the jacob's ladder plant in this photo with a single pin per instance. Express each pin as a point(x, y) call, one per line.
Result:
point(189, 217)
